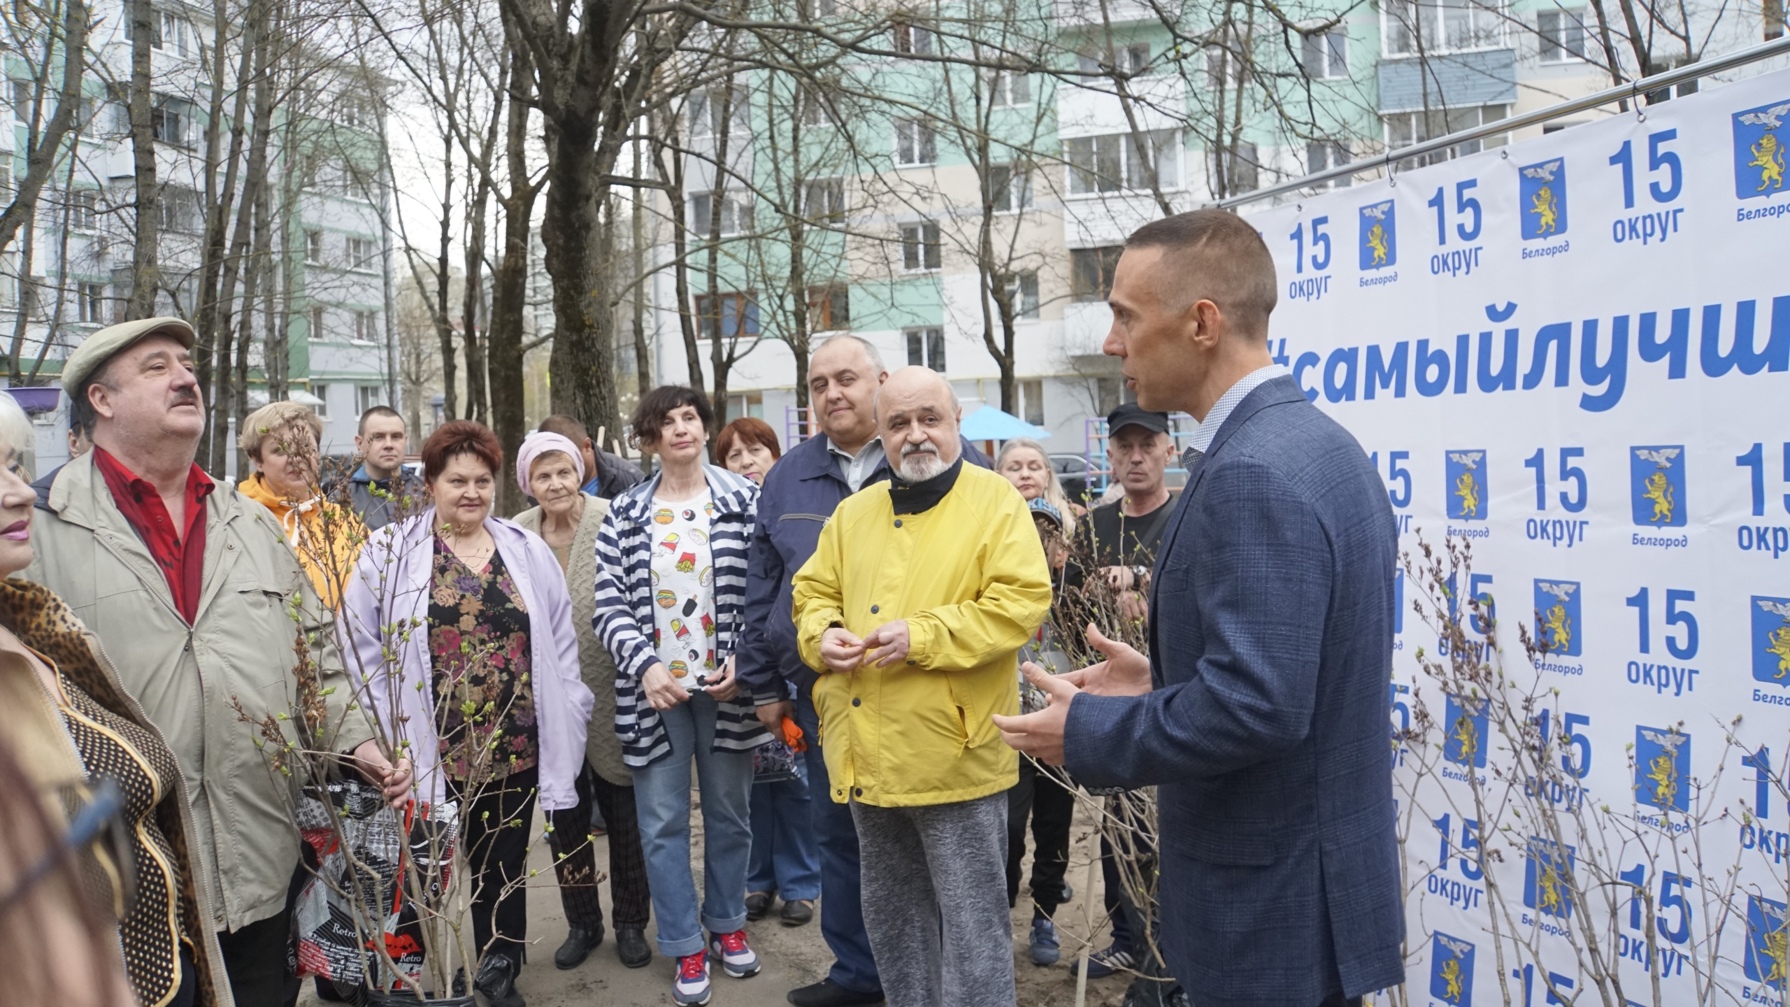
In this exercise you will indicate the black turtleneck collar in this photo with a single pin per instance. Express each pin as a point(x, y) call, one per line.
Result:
point(917, 498)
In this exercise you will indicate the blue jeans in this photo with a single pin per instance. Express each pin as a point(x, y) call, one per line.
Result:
point(841, 904)
point(785, 856)
point(662, 803)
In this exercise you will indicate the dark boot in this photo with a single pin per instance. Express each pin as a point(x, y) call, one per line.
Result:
point(578, 946)
point(631, 947)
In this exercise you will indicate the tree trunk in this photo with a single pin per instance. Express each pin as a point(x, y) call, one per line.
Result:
point(643, 354)
point(217, 276)
point(444, 326)
point(44, 140)
point(146, 277)
point(509, 288)
point(473, 296)
point(239, 258)
point(583, 357)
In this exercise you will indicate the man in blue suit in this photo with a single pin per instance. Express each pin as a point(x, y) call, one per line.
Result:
point(1262, 710)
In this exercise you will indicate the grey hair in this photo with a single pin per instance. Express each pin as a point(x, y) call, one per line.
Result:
point(18, 433)
point(870, 351)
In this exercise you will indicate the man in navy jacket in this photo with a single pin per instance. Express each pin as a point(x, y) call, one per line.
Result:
point(1261, 712)
point(799, 494)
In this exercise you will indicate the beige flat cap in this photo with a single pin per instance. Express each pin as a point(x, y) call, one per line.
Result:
point(103, 345)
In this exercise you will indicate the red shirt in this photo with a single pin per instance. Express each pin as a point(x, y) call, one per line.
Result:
point(179, 552)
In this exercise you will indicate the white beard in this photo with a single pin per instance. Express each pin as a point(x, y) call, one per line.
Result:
point(921, 466)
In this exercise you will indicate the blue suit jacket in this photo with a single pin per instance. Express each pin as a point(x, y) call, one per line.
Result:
point(1271, 624)
point(798, 496)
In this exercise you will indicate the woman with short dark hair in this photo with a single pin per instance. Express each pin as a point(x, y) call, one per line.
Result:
point(483, 683)
point(671, 586)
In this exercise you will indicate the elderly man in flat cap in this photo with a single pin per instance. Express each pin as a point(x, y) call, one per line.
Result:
point(187, 586)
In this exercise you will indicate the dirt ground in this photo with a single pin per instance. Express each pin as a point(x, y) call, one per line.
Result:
point(792, 956)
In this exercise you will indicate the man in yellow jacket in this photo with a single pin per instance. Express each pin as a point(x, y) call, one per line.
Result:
point(912, 608)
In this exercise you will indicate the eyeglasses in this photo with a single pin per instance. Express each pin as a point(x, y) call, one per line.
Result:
point(98, 828)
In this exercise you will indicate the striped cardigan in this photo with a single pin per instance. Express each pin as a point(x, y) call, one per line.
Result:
point(624, 618)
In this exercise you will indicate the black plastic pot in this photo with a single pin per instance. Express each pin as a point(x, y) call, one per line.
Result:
point(374, 998)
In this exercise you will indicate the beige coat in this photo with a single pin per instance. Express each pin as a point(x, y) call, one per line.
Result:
point(190, 680)
point(601, 746)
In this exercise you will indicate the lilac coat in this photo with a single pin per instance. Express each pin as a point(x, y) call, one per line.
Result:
point(388, 602)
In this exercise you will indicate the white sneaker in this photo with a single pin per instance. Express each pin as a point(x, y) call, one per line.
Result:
point(736, 956)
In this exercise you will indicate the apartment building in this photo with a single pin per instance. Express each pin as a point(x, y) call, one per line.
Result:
point(895, 250)
point(318, 323)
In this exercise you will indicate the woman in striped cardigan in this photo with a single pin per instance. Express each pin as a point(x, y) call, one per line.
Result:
point(671, 586)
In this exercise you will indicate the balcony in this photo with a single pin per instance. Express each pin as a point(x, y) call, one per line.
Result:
point(1090, 13)
point(1451, 80)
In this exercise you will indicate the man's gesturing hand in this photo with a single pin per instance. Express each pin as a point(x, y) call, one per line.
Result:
point(1040, 735)
point(841, 650)
point(888, 644)
point(1125, 672)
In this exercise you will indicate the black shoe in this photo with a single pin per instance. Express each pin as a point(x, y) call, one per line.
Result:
point(828, 993)
point(631, 947)
point(757, 905)
point(798, 912)
point(497, 981)
point(578, 946)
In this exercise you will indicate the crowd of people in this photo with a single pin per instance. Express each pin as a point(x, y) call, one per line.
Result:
point(845, 643)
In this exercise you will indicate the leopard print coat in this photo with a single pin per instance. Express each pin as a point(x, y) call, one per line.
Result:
point(43, 622)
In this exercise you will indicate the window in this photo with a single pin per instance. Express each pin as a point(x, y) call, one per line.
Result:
point(1406, 128)
point(5, 178)
point(1010, 187)
point(824, 199)
point(746, 404)
point(355, 115)
point(1031, 401)
point(708, 108)
point(366, 328)
point(730, 315)
point(826, 8)
point(1239, 168)
point(1226, 69)
point(736, 213)
point(23, 99)
point(316, 323)
point(1091, 272)
point(322, 406)
point(83, 209)
point(829, 307)
point(314, 248)
point(170, 120)
point(366, 397)
point(1023, 289)
point(926, 348)
point(920, 248)
point(1006, 89)
point(1562, 35)
point(361, 253)
point(1123, 161)
point(1326, 54)
point(1128, 60)
point(172, 36)
point(914, 142)
point(1435, 26)
point(914, 39)
point(91, 301)
point(180, 209)
point(1321, 155)
point(816, 110)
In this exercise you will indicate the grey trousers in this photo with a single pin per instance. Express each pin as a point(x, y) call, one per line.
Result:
point(935, 902)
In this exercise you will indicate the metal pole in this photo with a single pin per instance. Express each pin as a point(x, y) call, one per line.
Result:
point(1632, 90)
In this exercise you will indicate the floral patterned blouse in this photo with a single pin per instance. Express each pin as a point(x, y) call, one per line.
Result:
point(478, 641)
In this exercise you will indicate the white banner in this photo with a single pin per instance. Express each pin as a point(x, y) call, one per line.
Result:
point(1574, 352)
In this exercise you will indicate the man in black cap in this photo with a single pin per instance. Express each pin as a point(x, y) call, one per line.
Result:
point(1127, 531)
point(1124, 535)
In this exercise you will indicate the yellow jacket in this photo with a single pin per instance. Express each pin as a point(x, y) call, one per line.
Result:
point(326, 536)
point(970, 578)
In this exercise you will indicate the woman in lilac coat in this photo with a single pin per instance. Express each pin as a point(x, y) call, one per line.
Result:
point(460, 626)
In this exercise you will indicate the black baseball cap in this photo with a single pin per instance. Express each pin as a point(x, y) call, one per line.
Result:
point(1133, 415)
